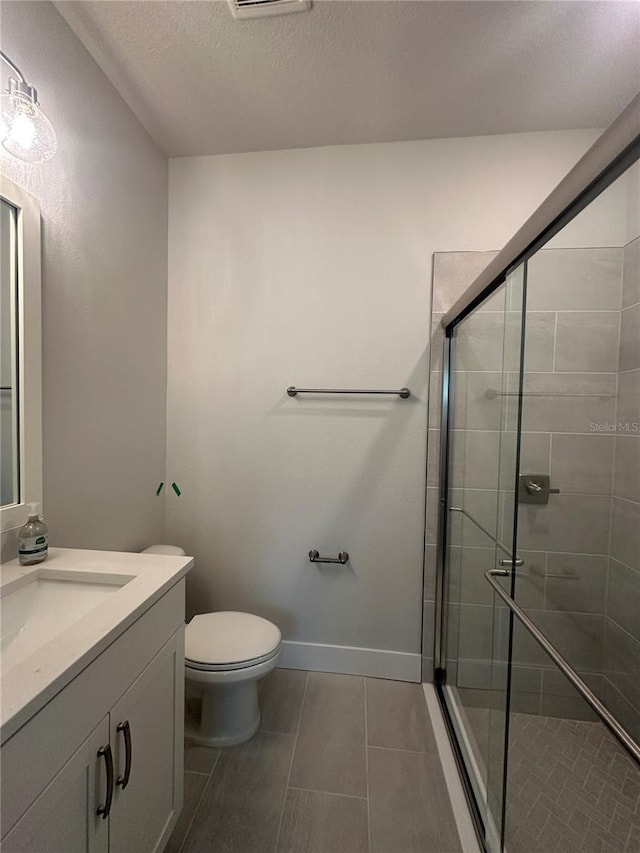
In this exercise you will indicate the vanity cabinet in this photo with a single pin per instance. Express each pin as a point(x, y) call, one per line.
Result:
point(141, 811)
point(130, 762)
point(55, 823)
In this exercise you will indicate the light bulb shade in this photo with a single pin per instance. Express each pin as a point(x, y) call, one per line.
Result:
point(25, 131)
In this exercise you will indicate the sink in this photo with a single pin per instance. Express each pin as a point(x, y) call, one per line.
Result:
point(60, 615)
point(35, 612)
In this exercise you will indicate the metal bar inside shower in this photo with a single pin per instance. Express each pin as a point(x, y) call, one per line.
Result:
point(592, 700)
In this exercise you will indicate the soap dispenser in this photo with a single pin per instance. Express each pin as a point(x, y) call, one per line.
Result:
point(33, 539)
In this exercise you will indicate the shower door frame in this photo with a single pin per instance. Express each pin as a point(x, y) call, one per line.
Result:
point(621, 143)
point(479, 823)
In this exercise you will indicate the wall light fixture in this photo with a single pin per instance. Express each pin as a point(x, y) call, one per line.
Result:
point(25, 131)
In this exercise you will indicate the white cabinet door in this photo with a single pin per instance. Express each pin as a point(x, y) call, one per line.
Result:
point(64, 818)
point(145, 810)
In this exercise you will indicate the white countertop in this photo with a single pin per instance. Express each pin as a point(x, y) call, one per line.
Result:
point(30, 684)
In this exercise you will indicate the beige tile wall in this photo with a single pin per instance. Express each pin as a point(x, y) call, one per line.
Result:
point(578, 292)
point(622, 622)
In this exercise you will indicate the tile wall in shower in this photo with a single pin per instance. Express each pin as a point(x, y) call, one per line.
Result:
point(569, 401)
point(621, 666)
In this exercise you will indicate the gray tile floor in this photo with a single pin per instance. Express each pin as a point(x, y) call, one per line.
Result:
point(341, 764)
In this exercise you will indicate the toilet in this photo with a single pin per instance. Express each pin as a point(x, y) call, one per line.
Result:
point(226, 654)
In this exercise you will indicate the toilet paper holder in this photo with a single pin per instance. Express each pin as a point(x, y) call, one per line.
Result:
point(314, 557)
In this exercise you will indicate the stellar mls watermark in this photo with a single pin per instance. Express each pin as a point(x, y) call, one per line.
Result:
point(621, 427)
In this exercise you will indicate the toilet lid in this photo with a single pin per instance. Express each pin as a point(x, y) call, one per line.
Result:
point(229, 637)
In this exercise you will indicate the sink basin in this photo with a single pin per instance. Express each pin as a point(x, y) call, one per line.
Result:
point(60, 615)
point(39, 610)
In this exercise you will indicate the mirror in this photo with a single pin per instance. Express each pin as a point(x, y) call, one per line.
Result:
point(20, 359)
point(9, 471)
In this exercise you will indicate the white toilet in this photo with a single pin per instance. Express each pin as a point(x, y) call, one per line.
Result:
point(226, 653)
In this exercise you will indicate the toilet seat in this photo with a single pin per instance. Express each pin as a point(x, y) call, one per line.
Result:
point(230, 640)
point(225, 667)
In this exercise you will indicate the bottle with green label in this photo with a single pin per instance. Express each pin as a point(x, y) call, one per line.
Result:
point(33, 539)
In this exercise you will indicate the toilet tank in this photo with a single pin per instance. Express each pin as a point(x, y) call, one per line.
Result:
point(168, 550)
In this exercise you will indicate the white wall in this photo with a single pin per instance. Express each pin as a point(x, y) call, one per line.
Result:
point(313, 268)
point(633, 204)
point(611, 219)
point(104, 217)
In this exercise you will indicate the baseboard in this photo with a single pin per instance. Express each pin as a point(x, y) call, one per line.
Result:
point(351, 660)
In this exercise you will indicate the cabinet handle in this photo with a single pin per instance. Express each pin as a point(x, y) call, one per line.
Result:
point(125, 728)
point(108, 762)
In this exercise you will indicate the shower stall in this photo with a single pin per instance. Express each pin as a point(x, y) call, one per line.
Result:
point(537, 646)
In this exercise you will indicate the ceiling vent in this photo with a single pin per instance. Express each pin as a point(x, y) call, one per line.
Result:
point(261, 8)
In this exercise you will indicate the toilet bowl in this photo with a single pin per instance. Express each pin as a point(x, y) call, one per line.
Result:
point(226, 653)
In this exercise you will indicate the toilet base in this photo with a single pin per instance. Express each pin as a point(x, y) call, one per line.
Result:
point(193, 735)
point(230, 714)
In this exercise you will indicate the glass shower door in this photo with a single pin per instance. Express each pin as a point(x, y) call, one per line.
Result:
point(570, 783)
point(539, 540)
point(478, 536)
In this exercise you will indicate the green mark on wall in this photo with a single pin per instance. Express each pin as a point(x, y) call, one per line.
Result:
point(175, 488)
point(159, 489)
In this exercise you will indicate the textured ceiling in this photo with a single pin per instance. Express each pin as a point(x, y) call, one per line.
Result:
point(203, 82)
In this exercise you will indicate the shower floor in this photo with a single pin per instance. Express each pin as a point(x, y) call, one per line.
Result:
point(571, 787)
